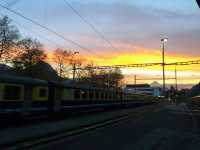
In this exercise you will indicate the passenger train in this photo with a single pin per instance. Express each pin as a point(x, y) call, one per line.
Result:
point(196, 100)
point(26, 96)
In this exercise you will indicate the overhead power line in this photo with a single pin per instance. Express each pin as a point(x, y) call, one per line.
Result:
point(11, 3)
point(89, 24)
point(122, 66)
point(34, 32)
point(185, 63)
point(29, 29)
point(45, 27)
point(143, 65)
point(156, 79)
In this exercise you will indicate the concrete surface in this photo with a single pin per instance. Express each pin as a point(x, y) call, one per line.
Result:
point(10, 135)
point(163, 127)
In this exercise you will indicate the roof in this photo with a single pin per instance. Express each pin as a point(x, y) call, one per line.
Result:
point(155, 85)
point(32, 81)
point(81, 86)
point(21, 80)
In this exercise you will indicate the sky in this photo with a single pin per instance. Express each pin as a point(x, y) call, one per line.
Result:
point(134, 27)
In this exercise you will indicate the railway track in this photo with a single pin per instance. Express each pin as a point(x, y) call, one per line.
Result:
point(56, 136)
point(17, 120)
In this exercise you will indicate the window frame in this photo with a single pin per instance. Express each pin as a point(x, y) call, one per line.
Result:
point(70, 94)
point(84, 94)
point(36, 93)
point(2, 94)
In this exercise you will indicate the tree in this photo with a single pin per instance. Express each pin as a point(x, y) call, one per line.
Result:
point(62, 59)
point(67, 61)
point(111, 78)
point(87, 74)
point(9, 36)
point(195, 90)
point(31, 52)
point(115, 77)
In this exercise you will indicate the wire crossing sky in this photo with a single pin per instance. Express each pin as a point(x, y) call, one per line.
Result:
point(134, 27)
point(127, 24)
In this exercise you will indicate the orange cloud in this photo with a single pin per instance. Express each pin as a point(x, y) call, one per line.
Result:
point(142, 55)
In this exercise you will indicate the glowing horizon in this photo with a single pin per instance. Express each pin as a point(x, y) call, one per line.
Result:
point(133, 27)
point(186, 74)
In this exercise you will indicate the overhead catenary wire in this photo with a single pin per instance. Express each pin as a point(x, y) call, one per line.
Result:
point(46, 28)
point(13, 2)
point(10, 4)
point(196, 62)
point(36, 33)
point(89, 24)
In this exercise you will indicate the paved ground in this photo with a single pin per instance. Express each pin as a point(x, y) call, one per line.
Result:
point(45, 127)
point(164, 127)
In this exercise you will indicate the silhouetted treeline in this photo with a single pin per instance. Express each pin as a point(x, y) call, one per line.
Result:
point(195, 90)
point(26, 57)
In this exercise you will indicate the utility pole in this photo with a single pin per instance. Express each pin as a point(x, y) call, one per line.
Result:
point(135, 82)
point(74, 66)
point(74, 71)
point(164, 40)
point(176, 81)
point(108, 76)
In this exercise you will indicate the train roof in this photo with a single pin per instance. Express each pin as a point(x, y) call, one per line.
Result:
point(21, 80)
point(32, 81)
point(81, 86)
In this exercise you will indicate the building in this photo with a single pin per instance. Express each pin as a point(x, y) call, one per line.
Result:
point(153, 89)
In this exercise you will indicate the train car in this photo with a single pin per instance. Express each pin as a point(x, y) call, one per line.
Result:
point(196, 100)
point(21, 95)
point(27, 96)
point(80, 96)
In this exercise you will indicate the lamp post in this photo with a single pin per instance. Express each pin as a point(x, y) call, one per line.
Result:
point(163, 41)
point(74, 66)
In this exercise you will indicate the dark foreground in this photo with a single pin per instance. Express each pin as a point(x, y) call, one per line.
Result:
point(163, 127)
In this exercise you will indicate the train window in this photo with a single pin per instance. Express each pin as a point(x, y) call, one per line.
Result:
point(102, 95)
point(106, 96)
point(97, 95)
point(12, 92)
point(77, 94)
point(68, 94)
point(91, 94)
point(110, 95)
point(43, 92)
point(120, 96)
point(40, 93)
point(84, 94)
point(115, 96)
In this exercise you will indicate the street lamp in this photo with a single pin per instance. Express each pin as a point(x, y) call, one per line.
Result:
point(74, 66)
point(163, 41)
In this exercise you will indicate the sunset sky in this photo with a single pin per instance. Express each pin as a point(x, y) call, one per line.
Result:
point(134, 27)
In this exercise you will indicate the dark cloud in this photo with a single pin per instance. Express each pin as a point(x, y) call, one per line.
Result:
point(128, 23)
